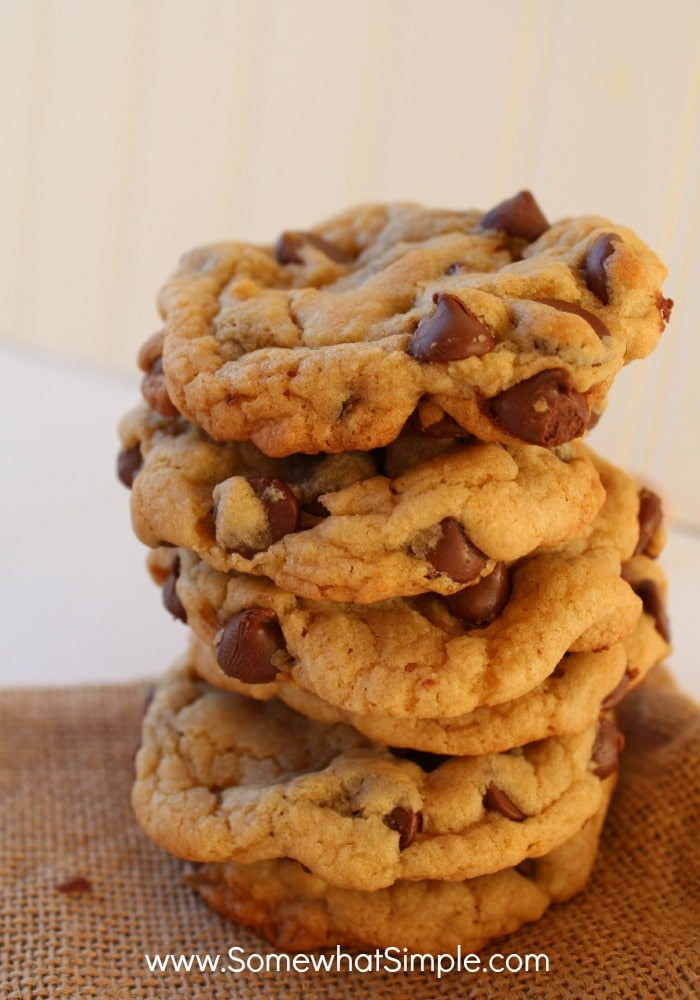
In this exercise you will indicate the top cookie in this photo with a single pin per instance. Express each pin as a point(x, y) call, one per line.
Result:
point(329, 340)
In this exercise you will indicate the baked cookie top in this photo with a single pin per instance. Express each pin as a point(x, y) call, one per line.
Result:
point(432, 656)
point(410, 658)
point(567, 701)
point(221, 777)
point(329, 340)
point(297, 911)
point(421, 515)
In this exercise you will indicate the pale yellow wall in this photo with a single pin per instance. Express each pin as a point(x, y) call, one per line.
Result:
point(135, 128)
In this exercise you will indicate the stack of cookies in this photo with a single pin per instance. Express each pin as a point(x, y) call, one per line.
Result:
point(415, 596)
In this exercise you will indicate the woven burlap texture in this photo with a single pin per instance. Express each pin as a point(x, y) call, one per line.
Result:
point(65, 774)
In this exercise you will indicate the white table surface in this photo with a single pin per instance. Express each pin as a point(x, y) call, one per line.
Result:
point(76, 603)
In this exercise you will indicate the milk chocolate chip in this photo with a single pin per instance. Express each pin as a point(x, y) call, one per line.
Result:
point(609, 743)
point(153, 387)
point(545, 409)
point(406, 822)
point(664, 306)
point(452, 332)
point(483, 601)
point(527, 868)
point(594, 273)
point(653, 605)
point(155, 391)
point(497, 800)
point(426, 760)
point(600, 328)
point(518, 216)
point(613, 699)
point(150, 351)
point(248, 644)
point(129, 462)
point(316, 508)
point(170, 596)
point(650, 517)
point(281, 506)
point(454, 554)
point(289, 244)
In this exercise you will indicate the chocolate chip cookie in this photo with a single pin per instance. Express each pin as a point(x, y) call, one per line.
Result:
point(331, 339)
point(568, 701)
point(333, 527)
point(220, 777)
point(298, 911)
point(407, 658)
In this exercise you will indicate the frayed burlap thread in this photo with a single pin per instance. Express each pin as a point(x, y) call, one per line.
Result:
point(65, 776)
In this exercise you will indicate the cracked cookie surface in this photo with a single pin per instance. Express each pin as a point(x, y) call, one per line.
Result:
point(297, 911)
point(567, 701)
point(329, 341)
point(442, 516)
point(426, 660)
point(220, 777)
point(410, 657)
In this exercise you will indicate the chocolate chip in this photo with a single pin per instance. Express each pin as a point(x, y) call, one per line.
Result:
point(653, 605)
point(483, 601)
point(608, 744)
point(518, 216)
point(650, 517)
point(664, 306)
point(613, 699)
point(560, 669)
point(77, 884)
point(406, 822)
point(153, 387)
point(170, 596)
point(281, 506)
point(545, 409)
point(427, 761)
point(497, 800)
point(248, 644)
point(600, 329)
point(155, 391)
point(151, 351)
point(527, 868)
point(594, 273)
point(289, 244)
point(316, 508)
point(282, 514)
point(452, 332)
point(129, 462)
point(454, 554)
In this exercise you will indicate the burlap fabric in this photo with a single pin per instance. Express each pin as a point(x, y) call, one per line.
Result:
point(65, 775)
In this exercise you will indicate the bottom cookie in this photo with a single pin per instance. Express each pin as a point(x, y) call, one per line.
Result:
point(297, 911)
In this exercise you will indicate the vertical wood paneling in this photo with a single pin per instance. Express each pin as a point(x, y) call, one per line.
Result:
point(447, 131)
point(307, 98)
point(527, 95)
point(72, 164)
point(23, 65)
point(177, 159)
point(137, 128)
